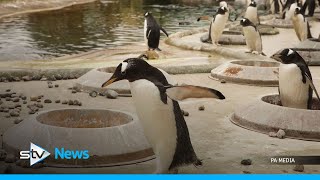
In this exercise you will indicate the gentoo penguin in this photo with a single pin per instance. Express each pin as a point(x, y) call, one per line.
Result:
point(301, 25)
point(252, 13)
point(159, 112)
point(295, 80)
point(308, 7)
point(274, 6)
point(152, 31)
point(253, 37)
point(290, 8)
point(218, 24)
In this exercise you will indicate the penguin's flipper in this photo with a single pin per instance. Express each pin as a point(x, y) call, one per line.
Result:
point(309, 81)
point(164, 31)
point(203, 18)
point(309, 31)
point(182, 92)
point(148, 32)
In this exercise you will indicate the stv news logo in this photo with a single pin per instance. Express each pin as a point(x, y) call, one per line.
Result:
point(37, 154)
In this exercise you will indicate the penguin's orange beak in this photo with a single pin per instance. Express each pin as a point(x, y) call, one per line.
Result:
point(110, 81)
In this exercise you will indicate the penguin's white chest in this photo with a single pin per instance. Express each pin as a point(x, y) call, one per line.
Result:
point(293, 92)
point(300, 27)
point(253, 39)
point(157, 120)
point(145, 31)
point(218, 26)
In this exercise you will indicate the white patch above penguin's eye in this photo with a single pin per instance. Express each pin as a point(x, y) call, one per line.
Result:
point(124, 66)
point(290, 52)
point(146, 14)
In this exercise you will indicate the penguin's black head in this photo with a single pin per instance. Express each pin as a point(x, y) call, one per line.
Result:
point(287, 56)
point(246, 22)
point(147, 14)
point(253, 4)
point(222, 10)
point(133, 69)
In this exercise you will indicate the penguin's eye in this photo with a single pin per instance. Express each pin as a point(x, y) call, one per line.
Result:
point(123, 72)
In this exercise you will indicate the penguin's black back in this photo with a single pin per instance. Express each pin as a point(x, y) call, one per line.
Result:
point(153, 35)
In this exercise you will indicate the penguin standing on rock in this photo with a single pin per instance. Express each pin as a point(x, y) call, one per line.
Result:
point(159, 112)
point(252, 13)
point(152, 32)
point(253, 37)
point(295, 80)
point(218, 24)
point(308, 7)
point(301, 25)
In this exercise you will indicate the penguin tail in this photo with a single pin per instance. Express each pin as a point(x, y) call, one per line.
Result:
point(309, 31)
point(158, 49)
point(263, 54)
point(198, 163)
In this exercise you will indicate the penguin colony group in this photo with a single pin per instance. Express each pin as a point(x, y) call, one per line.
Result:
point(156, 100)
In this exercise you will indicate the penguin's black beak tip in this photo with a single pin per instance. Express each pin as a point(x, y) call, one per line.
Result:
point(276, 57)
point(108, 82)
point(198, 19)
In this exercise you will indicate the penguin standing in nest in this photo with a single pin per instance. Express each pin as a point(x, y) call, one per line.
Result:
point(152, 32)
point(253, 37)
point(301, 25)
point(159, 112)
point(252, 13)
point(295, 80)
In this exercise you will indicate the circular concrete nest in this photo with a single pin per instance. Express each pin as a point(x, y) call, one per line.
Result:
point(279, 23)
point(111, 137)
point(266, 115)
point(261, 73)
point(263, 29)
point(92, 81)
point(310, 51)
point(228, 38)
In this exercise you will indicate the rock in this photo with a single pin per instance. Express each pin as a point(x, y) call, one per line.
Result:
point(8, 99)
point(76, 88)
point(16, 100)
point(111, 94)
point(8, 169)
point(80, 104)
point(43, 79)
point(17, 105)
point(38, 165)
point(36, 77)
point(246, 172)
point(222, 81)
point(40, 96)
point(33, 98)
point(8, 90)
point(1, 102)
point(19, 162)
point(52, 78)
point(10, 158)
point(75, 102)
point(11, 106)
point(201, 108)
point(57, 101)
point(25, 164)
point(5, 110)
point(246, 162)
point(281, 134)
point(70, 102)
point(17, 121)
point(3, 155)
point(32, 111)
point(298, 168)
point(185, 113)
point(50, 86)
point(39, 105)
point(23, 97)
point(7, 116)
point(56, 85)
point(47, 101)
point(93, 94)
point(73, 91)
point(39, 100)
point(26, 78)
point(24, 102)
point(58, 76)
point(16, 79)
point(272, 134)
point(64, 102)
point(14, 114)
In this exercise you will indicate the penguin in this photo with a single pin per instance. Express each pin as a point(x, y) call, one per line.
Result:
point(159, 112)
point(295, 80)
point(152, 32)
point(252, 13)
point(218, 24)
point(308, 7)
point(289, 9)
point(281, 5)
point(301, 25)
point(253, 37)
point(274, 6)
